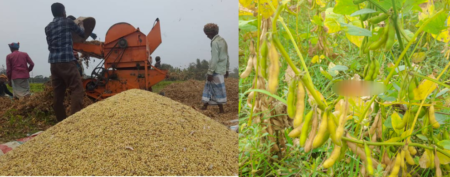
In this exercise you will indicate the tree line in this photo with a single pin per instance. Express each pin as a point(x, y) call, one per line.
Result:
point(196, 70)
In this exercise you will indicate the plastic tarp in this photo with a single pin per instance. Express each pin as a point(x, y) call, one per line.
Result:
point(9, 146)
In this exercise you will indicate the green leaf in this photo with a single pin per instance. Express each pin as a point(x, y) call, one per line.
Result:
point(396, 86)
point(387, 4)
point(442, 118)
point(332, 20)
point(284, 2)
point(247, 25)
point(443, 159)
point(388, 122)
point(396, 119)
point(332, 72)
point(437, 24)
point(314, 40)
point(400, 68)
point(413, 5)
point(445, 144)
point(317, 20)
point(355, 31)
point(387, 98)
point(443, 91)
point(409, 33)
point(267, 93)
point(304, 35)
point(245, 3)
point(418, 57)
point(339, 68)
point(345, 7)
point(376, 35)
point(326, 74)
point(357, 40)
point(363, 11)
point(422, 137)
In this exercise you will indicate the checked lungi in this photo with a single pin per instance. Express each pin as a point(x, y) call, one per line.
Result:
point(214, 92)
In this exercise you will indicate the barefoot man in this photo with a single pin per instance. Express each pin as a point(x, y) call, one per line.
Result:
point(214, 92)
point(18, 68)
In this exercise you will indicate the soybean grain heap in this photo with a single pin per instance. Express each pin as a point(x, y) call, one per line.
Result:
point(133, 133)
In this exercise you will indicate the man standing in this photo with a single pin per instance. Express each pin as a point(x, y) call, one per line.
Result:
point(158, 62)
point(63, 65)
point(18, 67)
point(214, 92)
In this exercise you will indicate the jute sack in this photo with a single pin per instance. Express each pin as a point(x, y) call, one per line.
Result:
point(89, 25)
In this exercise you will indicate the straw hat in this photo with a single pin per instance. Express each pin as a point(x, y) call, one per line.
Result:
point(3, 78)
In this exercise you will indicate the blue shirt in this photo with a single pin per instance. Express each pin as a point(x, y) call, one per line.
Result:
point(59, 39)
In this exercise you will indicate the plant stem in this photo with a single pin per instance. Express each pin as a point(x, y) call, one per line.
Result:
point(275, 18)
point(397, 29)
point(285, 55)
point(257, 64)
point(307, 78)
point(396, 144)
point(428, 78)
point(378, 6)
point(409, 44)
point(446, 67)
point(306, 81)
point(288, 31)
point(386, 81)
point(420, 107)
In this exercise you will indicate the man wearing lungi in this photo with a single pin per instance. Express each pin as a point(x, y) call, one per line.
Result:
point(18, 67)
point(214, 92)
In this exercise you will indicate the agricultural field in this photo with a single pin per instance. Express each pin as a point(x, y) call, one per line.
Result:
point(293, 55)
point(34, 87)
point(21, 118)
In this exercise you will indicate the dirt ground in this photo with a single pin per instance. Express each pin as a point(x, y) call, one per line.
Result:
point(190, 93)
point(36, 113)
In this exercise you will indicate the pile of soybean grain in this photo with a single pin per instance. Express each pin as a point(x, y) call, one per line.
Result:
point(132, 133)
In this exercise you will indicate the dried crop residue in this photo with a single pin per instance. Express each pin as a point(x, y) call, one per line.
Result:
point(35, 113)
point(41, 102)
point(190, 93)
point(5, 103)
point(135, 132)
point(95, 42)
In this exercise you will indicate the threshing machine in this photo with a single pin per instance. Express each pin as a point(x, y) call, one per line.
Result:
point(124, 64)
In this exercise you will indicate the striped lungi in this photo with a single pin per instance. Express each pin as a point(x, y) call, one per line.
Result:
point(21, 88)
point(214, 92)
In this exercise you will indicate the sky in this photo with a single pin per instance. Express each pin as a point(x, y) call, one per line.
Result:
point(182, 21)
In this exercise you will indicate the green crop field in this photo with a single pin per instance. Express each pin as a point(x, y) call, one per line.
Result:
point(311, 45)
point(34, 87)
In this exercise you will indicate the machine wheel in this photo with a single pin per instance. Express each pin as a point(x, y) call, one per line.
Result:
point(90, 86)
point(100, 75)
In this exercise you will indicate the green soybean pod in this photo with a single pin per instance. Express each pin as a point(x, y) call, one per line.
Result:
point(377, 19)
point(291, 99)
point(305, 128)
point(391, 38)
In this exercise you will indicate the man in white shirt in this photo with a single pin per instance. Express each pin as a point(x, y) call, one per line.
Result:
point(214, 92)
